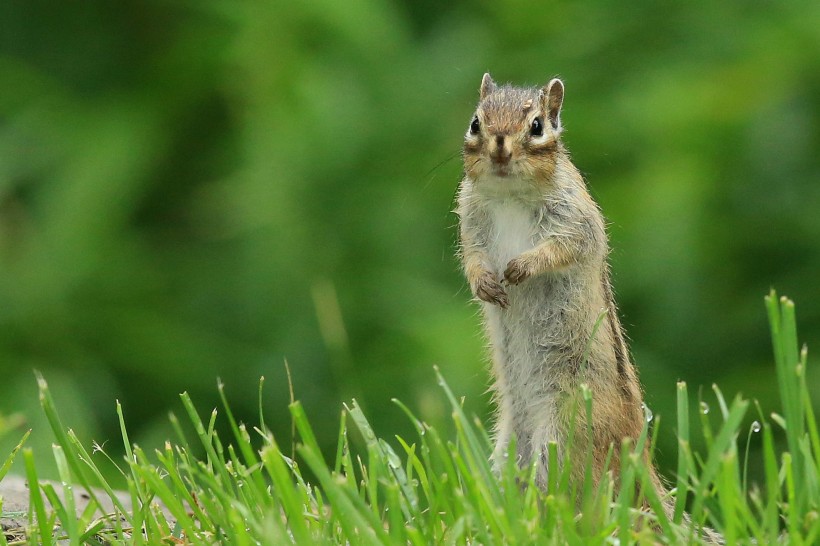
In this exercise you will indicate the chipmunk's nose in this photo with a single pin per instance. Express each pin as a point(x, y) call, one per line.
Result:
point(501, 152)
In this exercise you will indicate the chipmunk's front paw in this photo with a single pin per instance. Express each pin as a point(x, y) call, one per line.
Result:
point(488, 289)
point(517, 271)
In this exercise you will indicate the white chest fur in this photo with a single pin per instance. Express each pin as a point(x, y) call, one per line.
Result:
point(512, 233)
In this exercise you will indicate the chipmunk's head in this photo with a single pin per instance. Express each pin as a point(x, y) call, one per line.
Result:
point(514, 134)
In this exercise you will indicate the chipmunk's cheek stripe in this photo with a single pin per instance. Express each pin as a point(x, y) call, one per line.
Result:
point(472, 147)
point(541, 149)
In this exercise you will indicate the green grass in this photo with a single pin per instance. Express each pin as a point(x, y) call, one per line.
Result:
point(431, 489)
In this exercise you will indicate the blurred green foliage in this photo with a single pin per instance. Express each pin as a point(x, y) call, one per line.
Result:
point(206, 188)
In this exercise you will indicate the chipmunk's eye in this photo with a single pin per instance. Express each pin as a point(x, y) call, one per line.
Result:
point(475, 126)
point(537, 127)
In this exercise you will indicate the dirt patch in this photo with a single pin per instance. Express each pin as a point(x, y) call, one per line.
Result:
point(14, 518)
point(15, 493)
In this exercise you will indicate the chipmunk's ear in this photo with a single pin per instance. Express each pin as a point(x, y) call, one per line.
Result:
point(487, 86)
point(552, 97)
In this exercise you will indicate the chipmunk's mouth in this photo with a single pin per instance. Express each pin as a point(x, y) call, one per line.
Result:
point(501, 170)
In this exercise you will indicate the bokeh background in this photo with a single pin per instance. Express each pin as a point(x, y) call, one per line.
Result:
point(202, 189)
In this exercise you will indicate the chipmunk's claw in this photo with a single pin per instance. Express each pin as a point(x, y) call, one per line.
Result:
point(490, 290)
point(516, 272)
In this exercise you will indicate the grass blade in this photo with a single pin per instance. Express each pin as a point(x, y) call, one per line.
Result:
point(10, 459)
point(36, 500)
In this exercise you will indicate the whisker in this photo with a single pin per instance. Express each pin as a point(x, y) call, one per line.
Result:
point(443, 162)
point(430, 174)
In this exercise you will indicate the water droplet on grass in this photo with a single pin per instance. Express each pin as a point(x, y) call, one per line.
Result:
point(704, 408)
point(756, 426)
point(647, 413)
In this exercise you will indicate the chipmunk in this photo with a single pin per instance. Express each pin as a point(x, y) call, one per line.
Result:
point(534, 250)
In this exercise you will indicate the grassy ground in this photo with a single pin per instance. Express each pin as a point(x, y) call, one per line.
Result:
point(431, 489)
